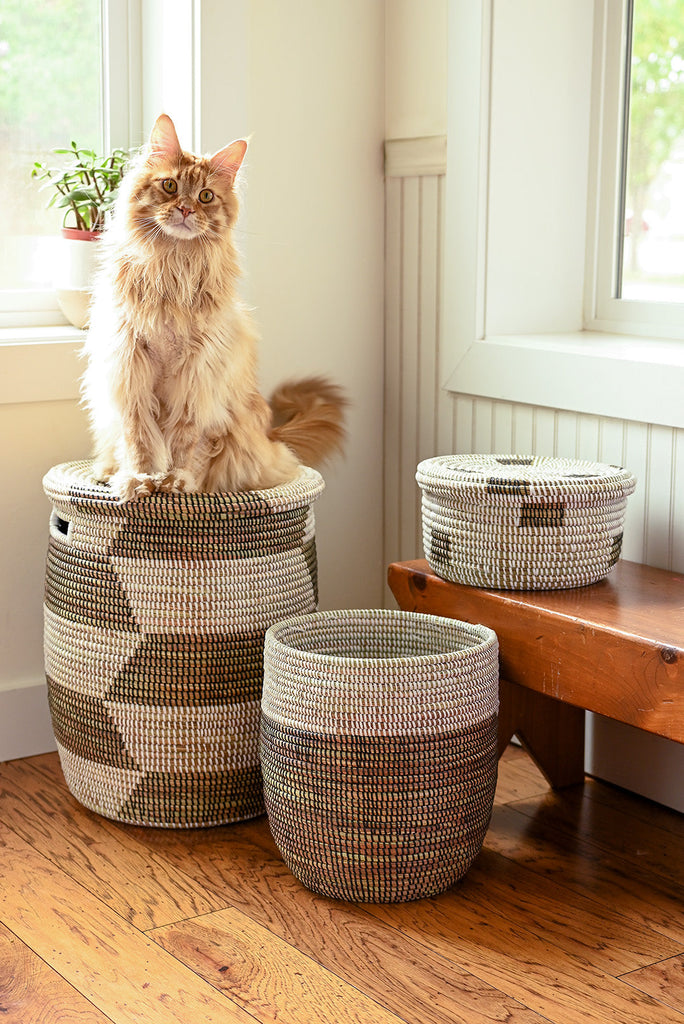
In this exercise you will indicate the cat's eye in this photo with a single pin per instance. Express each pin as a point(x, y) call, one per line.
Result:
point(206, 195)
point(170, 186)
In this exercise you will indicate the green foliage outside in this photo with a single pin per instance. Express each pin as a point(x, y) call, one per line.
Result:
point(50, 93)
point(656, 115)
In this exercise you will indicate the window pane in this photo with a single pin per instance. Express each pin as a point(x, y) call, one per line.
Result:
point(652, 245)
point(50, 93)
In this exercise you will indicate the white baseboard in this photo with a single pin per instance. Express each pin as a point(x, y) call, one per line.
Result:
point(635, 760)
point(25, 727)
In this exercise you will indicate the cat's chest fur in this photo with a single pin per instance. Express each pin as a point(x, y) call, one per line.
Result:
point(170, 355)
point(197, 371)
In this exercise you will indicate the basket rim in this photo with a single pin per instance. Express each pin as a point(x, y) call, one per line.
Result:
point(72, 483)
point(486, 639)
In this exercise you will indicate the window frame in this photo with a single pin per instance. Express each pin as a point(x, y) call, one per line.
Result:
point(603, 310)
point(583, 367)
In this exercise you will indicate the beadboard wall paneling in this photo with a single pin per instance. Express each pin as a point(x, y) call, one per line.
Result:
point(422, 420)
point(418, 413)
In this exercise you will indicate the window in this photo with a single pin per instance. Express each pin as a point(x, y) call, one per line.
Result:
point(639, 216)
point(50, 93)
point(57, 65)
point(535, 139)
point(651, 246)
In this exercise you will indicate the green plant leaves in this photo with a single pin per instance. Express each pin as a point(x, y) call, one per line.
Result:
point(86, 186)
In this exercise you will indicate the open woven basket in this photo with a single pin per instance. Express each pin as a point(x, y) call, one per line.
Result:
point(378, 750)
point(522, 522)
point(155, 615)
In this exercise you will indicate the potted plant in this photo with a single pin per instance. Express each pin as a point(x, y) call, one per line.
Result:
point(85, 188)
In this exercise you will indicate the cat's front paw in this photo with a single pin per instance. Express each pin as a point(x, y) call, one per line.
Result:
point(102, 472)
point(178, 481)
point(133, 485)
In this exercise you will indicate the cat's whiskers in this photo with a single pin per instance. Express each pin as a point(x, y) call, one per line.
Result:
point(151, 229)
point(211, 232)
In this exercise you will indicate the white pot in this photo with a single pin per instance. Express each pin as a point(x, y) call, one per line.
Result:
point(74, 273)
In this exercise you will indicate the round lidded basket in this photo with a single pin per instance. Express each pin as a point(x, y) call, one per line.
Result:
point(155, 615)
point(522, 522)
point(379, 750)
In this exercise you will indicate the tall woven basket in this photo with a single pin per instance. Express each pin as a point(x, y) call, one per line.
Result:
point(378, 750)
point(155, 615)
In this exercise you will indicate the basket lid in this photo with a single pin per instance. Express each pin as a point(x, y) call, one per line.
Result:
point(522, 475)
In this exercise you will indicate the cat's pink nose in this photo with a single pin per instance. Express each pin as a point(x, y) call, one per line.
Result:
point(185, 211)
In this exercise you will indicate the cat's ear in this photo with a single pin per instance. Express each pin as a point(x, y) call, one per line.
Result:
point(163, 139)
point(227, 161)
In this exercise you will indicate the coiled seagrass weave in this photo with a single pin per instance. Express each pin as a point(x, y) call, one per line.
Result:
point(155, 614)
point(519, 522)
point(379, 750)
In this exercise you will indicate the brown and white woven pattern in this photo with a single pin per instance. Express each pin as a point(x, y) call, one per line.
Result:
point(522, 522)
point(378, 750)
point(155, 615)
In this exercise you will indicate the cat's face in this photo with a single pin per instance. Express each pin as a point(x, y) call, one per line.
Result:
point(181, 197)
point(184, 200)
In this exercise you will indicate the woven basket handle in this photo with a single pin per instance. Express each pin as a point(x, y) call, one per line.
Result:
point(59, 527)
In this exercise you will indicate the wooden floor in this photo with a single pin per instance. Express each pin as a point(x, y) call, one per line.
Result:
point(574, 912)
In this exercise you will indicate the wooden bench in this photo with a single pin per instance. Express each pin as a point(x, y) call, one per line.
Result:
point(615, 648)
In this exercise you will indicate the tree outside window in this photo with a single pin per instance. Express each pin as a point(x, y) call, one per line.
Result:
point(652, 256)
point(50, 93)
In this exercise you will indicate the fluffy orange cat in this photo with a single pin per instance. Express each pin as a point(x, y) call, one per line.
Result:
point(171, 385)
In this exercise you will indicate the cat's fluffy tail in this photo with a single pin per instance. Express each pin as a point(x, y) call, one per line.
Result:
point(308, 416)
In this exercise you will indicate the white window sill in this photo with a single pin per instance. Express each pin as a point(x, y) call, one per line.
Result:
point(40, 364)
point(601, 374)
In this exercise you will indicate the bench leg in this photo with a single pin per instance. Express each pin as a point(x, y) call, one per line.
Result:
point(550, 731)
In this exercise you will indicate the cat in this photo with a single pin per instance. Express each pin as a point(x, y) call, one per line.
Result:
point(171, 379)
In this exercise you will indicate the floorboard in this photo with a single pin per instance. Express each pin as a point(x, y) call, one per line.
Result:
point(123, 973)
point(102, 856)
point(612, 829)
point(266, 975)
point(578, 865)
point(664, 981)
point(572, 914)
point(33, 993)
point(399, 972)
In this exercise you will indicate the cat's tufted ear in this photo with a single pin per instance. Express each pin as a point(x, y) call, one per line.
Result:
point(163, 139)
point(227, 161)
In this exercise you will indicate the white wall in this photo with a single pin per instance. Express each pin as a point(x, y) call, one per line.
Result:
point(326, 253)
point(306, 80)
point(415, 68)
point(309, 89)
point(35, 436)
